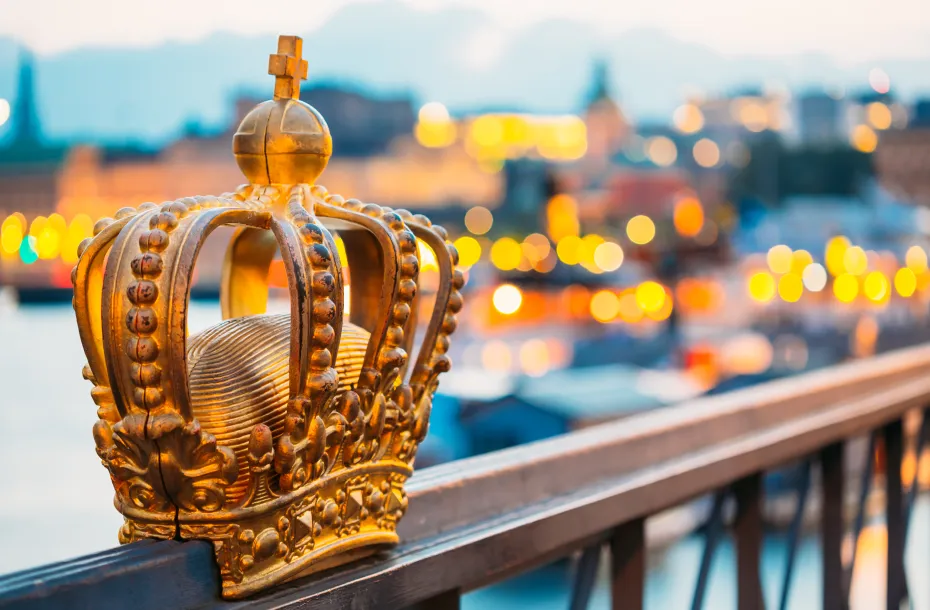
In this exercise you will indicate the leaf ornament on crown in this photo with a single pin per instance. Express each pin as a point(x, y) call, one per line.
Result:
point(284, 439)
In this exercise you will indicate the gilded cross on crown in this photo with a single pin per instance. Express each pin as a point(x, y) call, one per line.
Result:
point(288, 67)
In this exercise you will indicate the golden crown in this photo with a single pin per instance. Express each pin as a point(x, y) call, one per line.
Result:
point(285, 439)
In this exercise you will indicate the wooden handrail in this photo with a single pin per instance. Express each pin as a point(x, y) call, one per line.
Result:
point(479, 520)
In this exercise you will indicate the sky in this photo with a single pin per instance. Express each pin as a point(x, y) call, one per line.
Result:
point(848, 30)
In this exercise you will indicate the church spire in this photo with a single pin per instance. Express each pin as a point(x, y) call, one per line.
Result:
point(600, 85)
point(24, 113)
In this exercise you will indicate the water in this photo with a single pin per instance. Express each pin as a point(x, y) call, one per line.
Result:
point(57, 498)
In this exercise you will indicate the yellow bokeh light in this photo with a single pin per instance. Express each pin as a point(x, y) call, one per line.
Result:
point(661, 151)
point(12, 232)
point(434, 128)
point(605, 306)
point(568, 250)
point(650, 296)
point(589, 244)
point(487, 131)
point(688, 118)
point(37, 225)
point(815, 277)
point(835, 253)
point(435, 135)
point(506, 254)
point(562, 217)
point(507, 299)
point(706, 153)
point(469, 250)
point(630, 310)
point(879, 115)
point(916, 259)
point(48, 243)
point(864, 139)
point(608, 256)
point(779, 259)
point(663, 312)
point(688, 216)
point(876, 287)
point(905, 282)
point(640, 229)
point(479, 220)
point(800, 259)
point(81, 227)
point(846, 287)
point(762, 287)
point(790, 287)
point(855, 261)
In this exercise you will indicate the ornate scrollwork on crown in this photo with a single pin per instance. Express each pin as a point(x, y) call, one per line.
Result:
point(157, 458)
point(381, 404)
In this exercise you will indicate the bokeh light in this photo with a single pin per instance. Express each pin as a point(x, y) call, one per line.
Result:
point(761, 287)
point(688, 216)
point(855, 261)
point(790, 287)
point(846, 287)
point(650, 296)
point(568, 250)
point(605, 306)
point(876, 287)
point(661, 151)
point(905, 282)
point(879, 80)
point(478, 220)
point(706, 153)
point(506, 254)
point(469, 250)
point(507, 299)
point(688, 118)
point(640, 229)
point(916, 259)
point(434, 129)
point(608, 256)
point(879, 115)
point(864, 139)
point(779, 259)
point(814, 277)
point(835, 254)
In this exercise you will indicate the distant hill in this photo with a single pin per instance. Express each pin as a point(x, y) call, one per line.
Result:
point(453, 55)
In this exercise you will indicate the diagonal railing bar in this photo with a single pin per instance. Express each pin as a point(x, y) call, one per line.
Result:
point(794, 533)
point(585, 576)
point(713, 530)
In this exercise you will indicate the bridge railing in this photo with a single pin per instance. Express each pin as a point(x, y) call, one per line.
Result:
point(477, 521)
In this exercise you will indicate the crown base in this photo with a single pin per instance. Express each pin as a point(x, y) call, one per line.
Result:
point(339, 518)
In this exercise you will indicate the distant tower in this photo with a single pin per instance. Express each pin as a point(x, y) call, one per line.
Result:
point(608, 129)
point(25, 118)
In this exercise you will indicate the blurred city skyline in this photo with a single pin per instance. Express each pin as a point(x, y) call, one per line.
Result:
point(117, 71)
point(855, 30)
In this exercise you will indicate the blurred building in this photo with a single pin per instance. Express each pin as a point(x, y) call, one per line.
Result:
point(607, 127)
point(820, 120)
point(902, 159)
point(28, 166)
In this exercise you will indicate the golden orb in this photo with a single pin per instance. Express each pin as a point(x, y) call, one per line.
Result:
point(282, 141)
